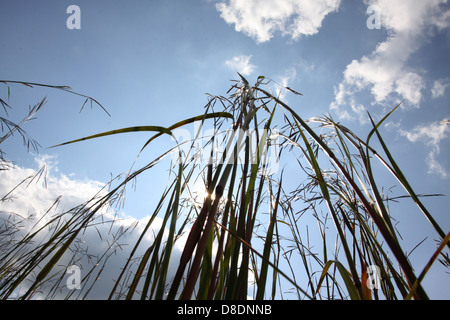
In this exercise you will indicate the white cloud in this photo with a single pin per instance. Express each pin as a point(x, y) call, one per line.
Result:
point(284, 80)
point(260, 19)
point(409, 86)
point(431, 135)
point(290, 77)
point(44, 188)
point(439, 88)
point(241, 64)
point(385, 71)
point(110, 235)
point(411, 16)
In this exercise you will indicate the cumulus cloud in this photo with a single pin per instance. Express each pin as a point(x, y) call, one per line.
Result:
point(241, 64)
point(439, 88)
point(260, 19)
point(410, 86)
point(44, 188)
point(385, 72)
point(100, 251)
point(431, 135)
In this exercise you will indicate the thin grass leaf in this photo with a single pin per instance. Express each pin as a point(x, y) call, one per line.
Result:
point(64, 88)
point(351, 289)
point(179, 124)
point(119, 131)
point(393, 244)
point(427, 267)
point(402, 179)
point(171, 237)
point(267, 247)
point(237, 238)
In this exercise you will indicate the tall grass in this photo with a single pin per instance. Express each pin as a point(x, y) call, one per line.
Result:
point(251, 235)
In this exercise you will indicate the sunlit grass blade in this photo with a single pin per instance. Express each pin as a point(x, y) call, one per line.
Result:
point(179, 124)
point(119, 131)
point(352, 290)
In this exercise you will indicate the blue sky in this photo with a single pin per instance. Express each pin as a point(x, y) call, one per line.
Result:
point(151, 63)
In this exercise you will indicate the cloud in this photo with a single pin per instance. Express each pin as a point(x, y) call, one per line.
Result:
point(439, 88)
point(260, 19)
point(241, 64)
point(385, 72)
point(410, 86)
point(100, 251)
point(282, 81)
point(411, 16)
point(431, 135)
point(43, 189)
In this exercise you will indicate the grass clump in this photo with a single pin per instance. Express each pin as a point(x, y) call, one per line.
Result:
point(249, 233)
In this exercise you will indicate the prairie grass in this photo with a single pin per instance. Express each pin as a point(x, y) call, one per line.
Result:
point(311, 227)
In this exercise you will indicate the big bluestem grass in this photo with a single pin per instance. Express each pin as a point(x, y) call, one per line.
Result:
point(251, 233)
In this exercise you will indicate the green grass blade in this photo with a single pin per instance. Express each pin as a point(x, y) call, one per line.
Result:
point(162, 130)
point(351, 289)
point(267, 247)
point(170, 238)
point(427, 267)
point(402, 179)
point(179, 124)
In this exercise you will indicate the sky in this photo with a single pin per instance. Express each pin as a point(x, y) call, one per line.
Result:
point(152, 62)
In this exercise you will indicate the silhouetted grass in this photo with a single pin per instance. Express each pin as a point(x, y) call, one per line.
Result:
point(246, 237)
